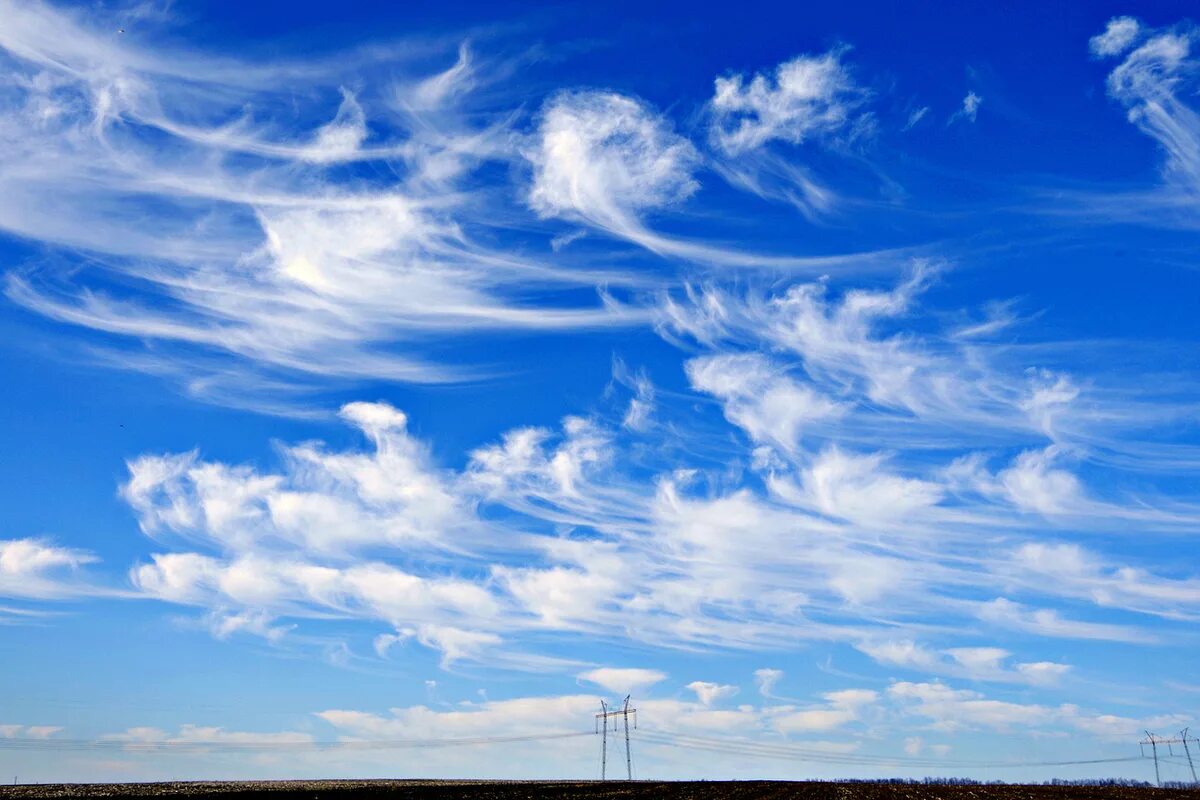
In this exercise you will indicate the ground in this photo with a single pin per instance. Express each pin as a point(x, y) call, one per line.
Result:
point(590, 790)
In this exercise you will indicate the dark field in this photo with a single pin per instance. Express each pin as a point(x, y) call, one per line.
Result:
point(590, 790)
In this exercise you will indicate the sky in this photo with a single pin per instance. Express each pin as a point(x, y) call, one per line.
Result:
point(824, 376)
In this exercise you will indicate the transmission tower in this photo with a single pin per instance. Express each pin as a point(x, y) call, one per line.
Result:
point(1153, 741)
point(1183, 735)
point(1183, 739)
point(602, 728)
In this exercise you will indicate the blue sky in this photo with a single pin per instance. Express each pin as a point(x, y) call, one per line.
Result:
point(825, 377)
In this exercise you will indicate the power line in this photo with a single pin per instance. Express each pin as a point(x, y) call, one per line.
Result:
point(789, 752)
point(659, 737)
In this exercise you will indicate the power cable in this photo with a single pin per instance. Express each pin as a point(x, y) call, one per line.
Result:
point(789, 752)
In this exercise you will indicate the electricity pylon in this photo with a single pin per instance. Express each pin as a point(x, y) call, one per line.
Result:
point(602, 728)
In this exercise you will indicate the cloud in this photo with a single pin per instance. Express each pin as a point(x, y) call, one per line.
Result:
point(837, 340)
point(493, 717)
point(1048, 622)
point(805, 97)
point(604, 158)
point(805, 100)
point(759, 398)
point(562, 724)
point(766, 678)
point(35, 568)
point(29, 731)
point(639, 414)
point(970, 108)
point(322, 502)
point(369, 590)
point(438, 91)
point(1145, 82)
point(1078, 572)
point(972, 663)
point(856, 487)
point(1032, 483)
point(195, 737)
point(1120, 33)
point(864, 462)
point(951, 710)
point(915, 117)
point(623, 680)
point(1154, 83)
point(456, 644)
point(709, 693)
point(843, 707)
point(954, 709)
point(205, 193)
point(667, 555)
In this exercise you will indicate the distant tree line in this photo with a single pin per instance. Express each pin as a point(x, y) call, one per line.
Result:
point(932, 781)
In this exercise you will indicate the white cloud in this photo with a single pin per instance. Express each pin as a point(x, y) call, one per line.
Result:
point(1077, 572)
point(490, 718)
point(553, 537)
point(1155, 83)
point(814, 720)
point(604, 158)
point(851, 698)
point(1033, 484)
point(915, 117)
point(1050, 394)
point(708, 693)
point(1048, 622)
point(856, 487)
point(29, 731)
point(1043, 672)
point(972, 663)
point(837, 341)
point(369, 589)
point(196, 736)
point(1118, 35)
point(887, 719)
point(35, 568)
point(628, 680)
point(901, 653)
point(766, 678)
point(270, 265)
point(843, 707)
point(952, 709)
point(759, 397)
point(970, 108)
point(806, 97)
point(438, 90)
point(456, 644)
point(640, 412)
point(323, 502)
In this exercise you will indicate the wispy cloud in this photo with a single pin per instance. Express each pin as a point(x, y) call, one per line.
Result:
point(209, 229)
point(1154, 81)
point(970, 109)
point(806, 97)
point(34, 568)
